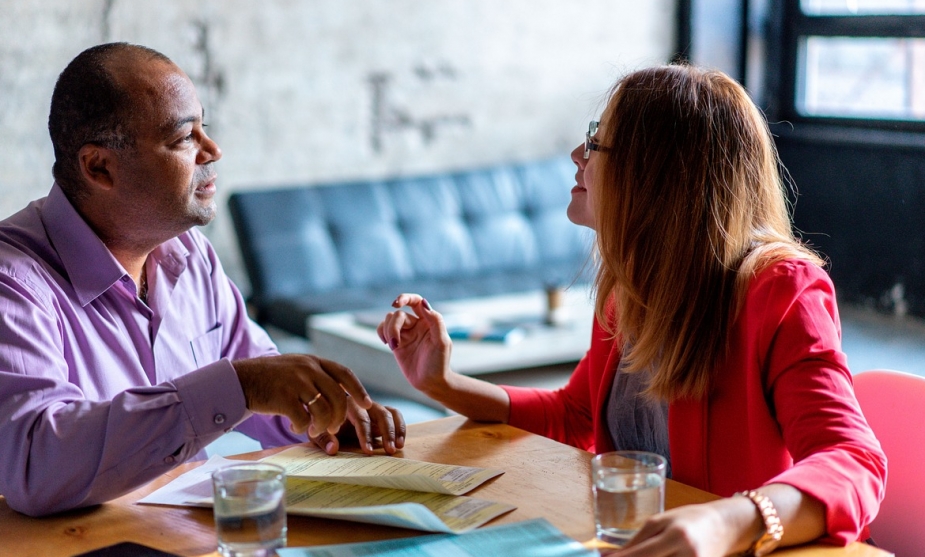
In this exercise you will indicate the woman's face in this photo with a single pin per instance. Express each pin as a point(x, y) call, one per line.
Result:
point(581, 209)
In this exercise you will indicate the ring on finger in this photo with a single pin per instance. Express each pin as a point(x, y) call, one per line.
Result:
point(313, 400)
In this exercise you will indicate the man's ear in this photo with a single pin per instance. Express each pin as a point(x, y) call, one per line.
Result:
point(97, 165)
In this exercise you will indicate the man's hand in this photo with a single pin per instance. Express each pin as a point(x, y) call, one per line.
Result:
point(378, 421)
point(312, 392)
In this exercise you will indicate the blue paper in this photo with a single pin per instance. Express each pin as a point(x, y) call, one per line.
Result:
point(530, 538)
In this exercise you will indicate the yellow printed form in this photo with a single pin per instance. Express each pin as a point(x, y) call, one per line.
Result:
point(432, 512)
point(386, 490)
point(381, 471)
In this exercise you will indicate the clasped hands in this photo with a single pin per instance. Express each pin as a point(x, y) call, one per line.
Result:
point(319, 396)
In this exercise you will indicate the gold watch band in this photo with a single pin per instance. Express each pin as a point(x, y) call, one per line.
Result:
point(773, 529)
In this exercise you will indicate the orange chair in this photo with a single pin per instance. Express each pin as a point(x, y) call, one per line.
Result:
point(894, 404)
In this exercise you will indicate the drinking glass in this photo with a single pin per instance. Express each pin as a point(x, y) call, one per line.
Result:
point(628, 487)
point(250, 509)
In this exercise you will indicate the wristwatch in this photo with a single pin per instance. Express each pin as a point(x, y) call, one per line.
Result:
point(773, 529)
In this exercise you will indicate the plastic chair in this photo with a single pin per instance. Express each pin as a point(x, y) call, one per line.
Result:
point(894, 404)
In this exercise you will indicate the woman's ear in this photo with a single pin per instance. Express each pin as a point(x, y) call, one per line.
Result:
point(96, 166)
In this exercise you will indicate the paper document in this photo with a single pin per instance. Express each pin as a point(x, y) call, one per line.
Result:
point(535, 537)
point(374, 489)
point(192, 489)
point(381, 471)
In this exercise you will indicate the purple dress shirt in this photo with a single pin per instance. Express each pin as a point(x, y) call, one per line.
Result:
point(99, 392)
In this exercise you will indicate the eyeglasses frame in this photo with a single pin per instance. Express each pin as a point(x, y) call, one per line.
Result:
point(590, 144)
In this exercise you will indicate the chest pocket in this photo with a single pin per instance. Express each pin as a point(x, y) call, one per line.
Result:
point(207, 348)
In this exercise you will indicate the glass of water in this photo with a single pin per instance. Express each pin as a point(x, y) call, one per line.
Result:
point(250, 509)
point(628, 487)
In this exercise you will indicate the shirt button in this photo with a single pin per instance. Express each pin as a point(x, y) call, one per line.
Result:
point(219, 419)
point(169, 460)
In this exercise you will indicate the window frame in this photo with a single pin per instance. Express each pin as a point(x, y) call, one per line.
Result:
point(794, 25)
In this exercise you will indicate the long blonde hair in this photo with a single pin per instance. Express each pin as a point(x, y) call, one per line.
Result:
point(690, 205)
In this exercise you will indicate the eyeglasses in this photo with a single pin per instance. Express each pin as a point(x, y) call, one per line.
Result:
point(590, 145)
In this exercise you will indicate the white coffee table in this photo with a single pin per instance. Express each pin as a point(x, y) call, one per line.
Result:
point(350, 339)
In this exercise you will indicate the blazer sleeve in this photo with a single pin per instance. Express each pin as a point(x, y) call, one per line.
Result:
point(568, 414)
point(837, 458)
point(563, 415)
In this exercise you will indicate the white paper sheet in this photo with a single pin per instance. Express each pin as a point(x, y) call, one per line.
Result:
point(191, 488)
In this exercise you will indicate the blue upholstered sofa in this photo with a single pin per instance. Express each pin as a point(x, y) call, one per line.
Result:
point(314, 249)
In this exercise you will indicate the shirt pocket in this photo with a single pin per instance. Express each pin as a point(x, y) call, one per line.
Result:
point(207, 348)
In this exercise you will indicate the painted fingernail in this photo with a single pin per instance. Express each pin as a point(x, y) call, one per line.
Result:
point(393, 344)
point(395, 303)
point(425, 304)
point(329, 447)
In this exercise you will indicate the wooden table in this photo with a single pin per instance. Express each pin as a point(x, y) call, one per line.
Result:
point(542, 477)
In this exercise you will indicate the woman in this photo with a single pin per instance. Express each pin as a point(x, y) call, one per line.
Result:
point(716, 339)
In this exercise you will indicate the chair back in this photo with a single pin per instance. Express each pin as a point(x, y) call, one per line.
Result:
point(894, 404)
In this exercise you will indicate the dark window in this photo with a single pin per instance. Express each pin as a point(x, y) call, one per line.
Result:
point(855, 62)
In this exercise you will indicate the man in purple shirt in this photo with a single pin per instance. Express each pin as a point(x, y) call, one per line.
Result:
point(124, 348)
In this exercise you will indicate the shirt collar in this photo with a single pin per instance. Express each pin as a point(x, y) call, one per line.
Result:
point(171, 256)
point(90, 266)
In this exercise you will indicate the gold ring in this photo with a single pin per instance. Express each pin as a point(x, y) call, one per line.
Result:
point(313, 400)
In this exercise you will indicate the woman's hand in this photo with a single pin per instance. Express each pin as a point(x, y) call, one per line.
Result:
point(688, 531)
point(422, 349)
point(367, 424)
point(726, 526)
point(420, 342)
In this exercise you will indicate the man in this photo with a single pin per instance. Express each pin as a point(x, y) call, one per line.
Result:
point(124, 348)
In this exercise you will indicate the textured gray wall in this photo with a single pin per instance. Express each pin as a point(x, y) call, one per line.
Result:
point(324, 90)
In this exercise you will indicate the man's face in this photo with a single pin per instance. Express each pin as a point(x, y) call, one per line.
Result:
point(167, 180)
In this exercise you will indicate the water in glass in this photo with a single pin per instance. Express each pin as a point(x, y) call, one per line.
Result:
point(623, 502)
point(250, 518)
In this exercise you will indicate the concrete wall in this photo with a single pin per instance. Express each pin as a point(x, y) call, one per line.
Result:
point(327, 90)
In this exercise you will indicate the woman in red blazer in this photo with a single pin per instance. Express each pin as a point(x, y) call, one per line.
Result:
point(716, 339)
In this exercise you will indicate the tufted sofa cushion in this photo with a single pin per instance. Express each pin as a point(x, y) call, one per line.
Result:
point(356, 245)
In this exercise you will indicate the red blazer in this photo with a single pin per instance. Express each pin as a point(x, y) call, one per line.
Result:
point(782, 409)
